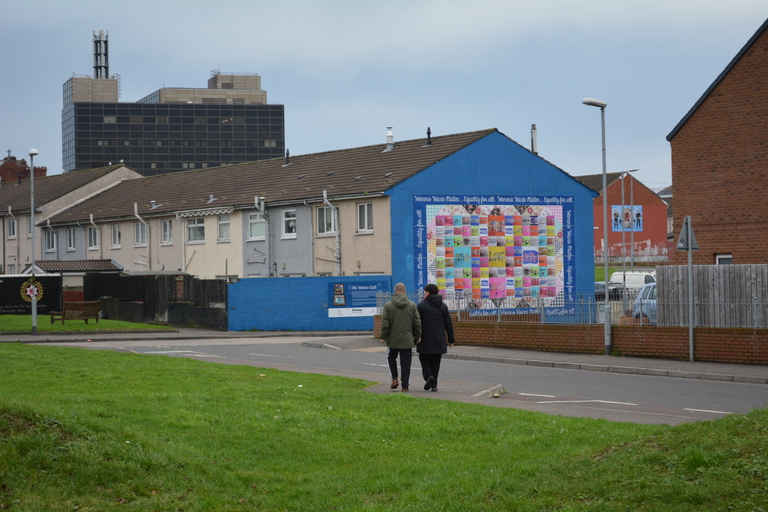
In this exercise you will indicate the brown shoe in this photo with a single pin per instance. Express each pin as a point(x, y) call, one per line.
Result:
point(405, 390)
point(394, 384)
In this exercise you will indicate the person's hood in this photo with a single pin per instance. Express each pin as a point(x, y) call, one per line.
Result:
point(400, 300)
point(435, 300)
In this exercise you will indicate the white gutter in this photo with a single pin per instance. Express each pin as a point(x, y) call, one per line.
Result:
point(149, 233)
point(260, 205)
point(338, 231)
point(312, 238)
point(18, 238)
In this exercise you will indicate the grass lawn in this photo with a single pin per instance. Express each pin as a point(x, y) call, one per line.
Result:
point(23, 323)
point(99, 430)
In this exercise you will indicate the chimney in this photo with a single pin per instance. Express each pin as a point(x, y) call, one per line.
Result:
point(534, 142)
point(429, 136)
point(100, 55)
point(390, 139)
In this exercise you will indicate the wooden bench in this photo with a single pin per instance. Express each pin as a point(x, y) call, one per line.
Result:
point(77, 311)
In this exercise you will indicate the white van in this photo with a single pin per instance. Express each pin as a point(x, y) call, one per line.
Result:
point(635, 279)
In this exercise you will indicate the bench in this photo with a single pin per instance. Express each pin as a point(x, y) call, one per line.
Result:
point(77, 311)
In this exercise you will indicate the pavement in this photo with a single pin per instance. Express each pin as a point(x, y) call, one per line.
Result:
point(363, 340)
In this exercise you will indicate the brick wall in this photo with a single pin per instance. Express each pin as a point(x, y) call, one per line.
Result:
point(720, 165)
point(650, 243)
point(723, 345)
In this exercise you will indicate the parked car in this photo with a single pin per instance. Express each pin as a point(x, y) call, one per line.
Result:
point(614, 292)
point(635, 279)
point(644, 308)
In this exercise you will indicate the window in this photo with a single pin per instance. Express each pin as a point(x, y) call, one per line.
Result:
point(257, 227)
point(71, 239)
point(723, 259)
point(196, 230)
point(93, 238)
point(12, 268)
point(326, 221)
point(365, 217)
point(11, 227)
point(50, 240)
point(116, 235)
point(110, 119)
point(29, 226)
point(224, 228)
point(139, 233)
point(289, 223)
point(167, 232)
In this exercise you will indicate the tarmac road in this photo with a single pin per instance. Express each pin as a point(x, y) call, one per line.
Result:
point(635, 390)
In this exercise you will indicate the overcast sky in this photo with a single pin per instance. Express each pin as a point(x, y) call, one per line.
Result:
point(347, 69)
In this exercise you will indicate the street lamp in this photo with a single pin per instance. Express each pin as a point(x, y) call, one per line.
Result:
point(32, 153)
point(592, 102)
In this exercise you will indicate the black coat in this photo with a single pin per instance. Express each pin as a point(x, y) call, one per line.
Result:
point(435, 323)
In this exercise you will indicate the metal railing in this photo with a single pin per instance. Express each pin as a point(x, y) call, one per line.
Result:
point(584, 309)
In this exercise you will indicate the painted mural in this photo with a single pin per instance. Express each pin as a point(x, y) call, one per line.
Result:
point(627, 218)
point(484, 249)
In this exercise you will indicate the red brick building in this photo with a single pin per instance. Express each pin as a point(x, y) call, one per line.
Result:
point(12, 169)
point(720, 162)
point(646, 222)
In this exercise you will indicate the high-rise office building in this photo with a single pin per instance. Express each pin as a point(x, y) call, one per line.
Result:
point(172, 129)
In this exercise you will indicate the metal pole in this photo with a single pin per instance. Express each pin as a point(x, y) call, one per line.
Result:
point(607, 310)
point(623, 251)
point(632, 209)
point(690, 288)
point(32, 153)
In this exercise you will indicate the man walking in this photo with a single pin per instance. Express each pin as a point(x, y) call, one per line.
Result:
point(435, 323)
point(400, 328)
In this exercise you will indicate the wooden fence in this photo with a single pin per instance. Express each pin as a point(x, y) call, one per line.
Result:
point(724, 295)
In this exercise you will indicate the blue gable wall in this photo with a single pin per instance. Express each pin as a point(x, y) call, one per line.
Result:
point(492, 166)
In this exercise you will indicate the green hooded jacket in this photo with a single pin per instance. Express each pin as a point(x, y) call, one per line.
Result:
point(400, 322)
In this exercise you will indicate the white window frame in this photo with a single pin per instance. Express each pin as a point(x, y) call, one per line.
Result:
point(50, 240)
point(224, 226)
point(254, 220)
point(167, 236)
point(93, 238)
point(71, 239)
point(287, 217)
point(29, 226)
point(11, 268)
point(117, 236)
point(139, 234)
point(365, 217)
point(11, 227)
point(196, 225)
point(720, 257)
point(325, 216)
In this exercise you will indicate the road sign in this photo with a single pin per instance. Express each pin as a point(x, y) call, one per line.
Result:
point(683, 243)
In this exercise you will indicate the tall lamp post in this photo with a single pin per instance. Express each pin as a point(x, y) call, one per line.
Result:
point(592, 102)
point(32, 153)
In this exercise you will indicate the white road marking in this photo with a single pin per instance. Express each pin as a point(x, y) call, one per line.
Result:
point(585, 402)
point(185, 352)
point(541, 396)
point(271, 355)
point(705, 410)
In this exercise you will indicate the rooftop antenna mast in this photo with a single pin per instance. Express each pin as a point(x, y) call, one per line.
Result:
point(100, 54)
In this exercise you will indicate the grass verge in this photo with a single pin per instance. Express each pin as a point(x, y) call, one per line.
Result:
point(23, 323)
point(100, 430)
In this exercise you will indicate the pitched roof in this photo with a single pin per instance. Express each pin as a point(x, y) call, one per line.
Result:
point(78, 265)
point(343, 173)
point(48, 188)
point(595, 181)
point(717, 81)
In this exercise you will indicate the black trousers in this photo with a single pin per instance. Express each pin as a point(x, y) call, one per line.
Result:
point(430, 366)
point(405, 364)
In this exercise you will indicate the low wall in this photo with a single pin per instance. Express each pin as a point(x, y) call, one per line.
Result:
point(344, 303)
point(179, 313)
point(722, 345)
